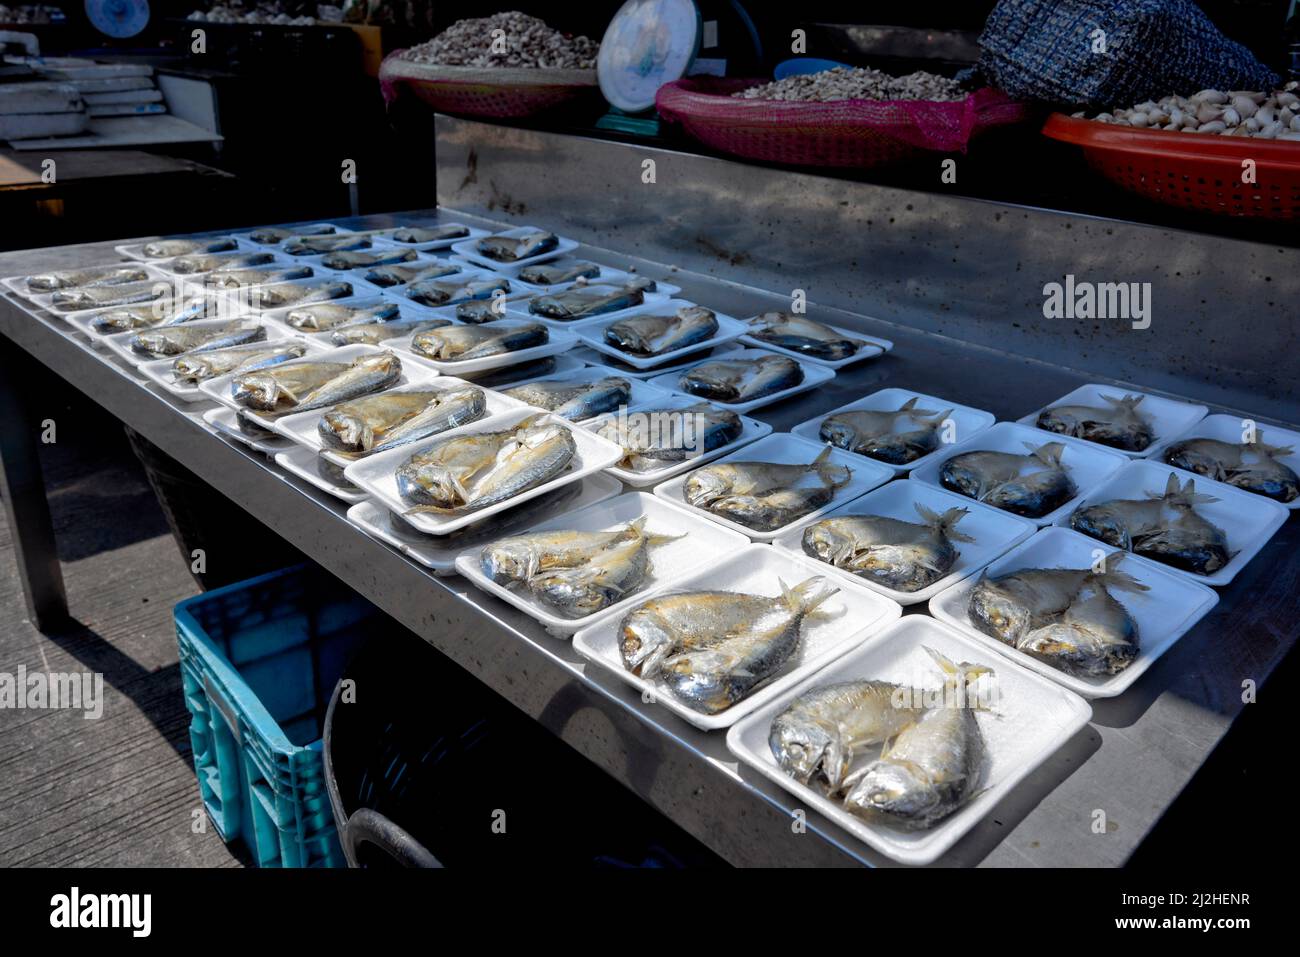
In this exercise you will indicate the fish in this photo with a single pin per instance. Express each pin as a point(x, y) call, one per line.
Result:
point(124, 294)
point(233, 278)
point(321, 316)
point(272, 235)
point(287, 294)
point(95, 276)
point(198, 263)
point(429, 234)
point(509, 249)
point(1120, 425)
point(711, 649)
point(818, 735)
point(765, 496)
point(389, 419)
point(175, 340)
point(650, 335)
point(1032, 485)
point(492, 378)
point(395, 275)
point(357, 258)
point(930, 768)
point(478, 311)
point(515, 560)
point(127, 319)
point(1095, 637)
point(437, 293)
point(473, 471)
point(1253, 466)
point(314, 245)
point(199, 307)
point(904, 556)
point(1012, 605)
point(741, 380)
point(207, 365)
point(170, 248)
point(302, 386)
point(656, 438)
point(460, 343)
point(897, 437)
point(575, 401)
point(583, 302)
point(373, 333)
point(800, 334)
point(550, 274)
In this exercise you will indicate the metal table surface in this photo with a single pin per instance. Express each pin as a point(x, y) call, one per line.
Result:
point(1131, 760)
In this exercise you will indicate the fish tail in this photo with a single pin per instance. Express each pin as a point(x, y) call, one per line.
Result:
point(1186, 495)
point(1263, 448)
point(1127, 402)
point(908, 406)
point(945, 523)
point(960, 674)
point(938, 418)
point(805, 597)
point(1049, 454)
point(1113, 577)
point(833, 474)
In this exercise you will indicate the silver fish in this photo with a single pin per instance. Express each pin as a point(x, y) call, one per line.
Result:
point(197, 263)
point(900, 555)
point(395, 275)
point(208, 365)
point(272, 235)
point(318, 317)
point(765, 495)
point(473, 471)
point(170, 248)
point(1032, 485)
point(648, 335)
point(451, 293)
point(1253, 466)
point(124, 294)
point(460, 343)
point(801, 334)
point(575, 401)
point(288, 294)
point(175, 340)
point(740, 380)
point(234, 278)
point(515, 560)
point(157, 313)
point(509, 249)
point(357, 258)
point(301, 386)
point(373, 333)
point(549, 274)
point(95, 276)
point(389, 419)
point(1096, 636)
point(429, 234)
point(932, 767)
point(478, 311)
point(583, 302)
point(1120, 425)
point(303, 245)
point(897, 437)
point(656, 438)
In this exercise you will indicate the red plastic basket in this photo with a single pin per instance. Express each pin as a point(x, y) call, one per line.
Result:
point(474, 91)
point(1190, 170)
point(842, 133)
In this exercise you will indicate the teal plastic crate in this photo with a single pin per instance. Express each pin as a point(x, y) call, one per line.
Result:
point(259, 660)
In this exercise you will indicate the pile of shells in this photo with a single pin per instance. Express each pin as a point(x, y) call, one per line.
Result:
point(267, 13)
point(1268, 116)
point(857, 83)
point(524, 42)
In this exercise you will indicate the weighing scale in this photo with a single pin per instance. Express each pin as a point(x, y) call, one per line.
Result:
point(119, 19)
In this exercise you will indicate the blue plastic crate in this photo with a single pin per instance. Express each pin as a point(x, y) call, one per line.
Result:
point(259, 660)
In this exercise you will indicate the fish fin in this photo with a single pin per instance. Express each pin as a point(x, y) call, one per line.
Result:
point(1127, 402)
point(806, 596)
point(945, 523)
point(1113, 577)
point(966, 672)
point(1187, 495)
point(1049, 454)
point(909, 405)
point(938, 418)
point(1260, 447)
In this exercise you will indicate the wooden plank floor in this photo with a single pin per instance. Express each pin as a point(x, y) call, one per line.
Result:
point(119, 790)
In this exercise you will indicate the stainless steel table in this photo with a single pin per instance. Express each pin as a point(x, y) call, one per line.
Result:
point(1132, 760)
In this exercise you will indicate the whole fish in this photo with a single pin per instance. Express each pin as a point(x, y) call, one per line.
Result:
point(288, 294)
point(740, 380)
point(373, 333)
point(550, 274)
point(655, 438)
point(711, 649)
point(197, 263)
point(509, 249)
point(932, 767)
point(460, 343)
point(356, 258)
point(207, 365)
point(648, 335)
point(389, 419)
point(575, 401)
point(157, 314)
point(175, 340)
point(1119, 425)
point(904, 556)
point(471, 472)
point(1031, 485)
point(95, 276)
point(817, 735)
point(124, 294)
point(583, 302)
point(395, 275)
point(450, 293)
point(1011, 606)
point(312, 385)
point(313, 245)
point(273, 235)
point(513, 561)
point(478, 311)
point(429, 234)
point(1253, 466)
point(234, 278)
point(1096, 636)
point(765, 495)
point(318, 317)
point(170, 248)
point(801, 334)
point(897, 437)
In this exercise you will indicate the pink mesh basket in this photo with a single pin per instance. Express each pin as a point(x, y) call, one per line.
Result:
point(502, 93)
point(857, 133)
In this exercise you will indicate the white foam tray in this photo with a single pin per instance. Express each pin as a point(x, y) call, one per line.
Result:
point(592, 357)
point(83, 321)
point(160, 370)
point(700, 543)
point(608, 276)
point(248, 297)
point(386, 235)
point(1032, 719)
point(1229, 428)
point(18, 284)
point(520, 309)
point(641, 393)
point(377, 473)
point(223, 420)
point(1247, 520)
point(136, 250)
point(120, 342)
point(438, 553)
point(168, 265)
point(786, 449)
point(592, 334)
point(874, 346)
point(246, 235)
point(1088, 465)
point(302, 463)
point(994, 532)
point(218, 388)
point(557, 343)
point(1164, 613)
point(468, 249)
point(813, 376)
point(1168, 417)
point(853, 614)
point(164, 288)
point(279, 317)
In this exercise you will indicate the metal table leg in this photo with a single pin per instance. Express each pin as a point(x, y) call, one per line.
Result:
point(23, 489)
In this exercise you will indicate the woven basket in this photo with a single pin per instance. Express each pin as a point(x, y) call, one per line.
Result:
point(841, 133)
point(504, 93)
